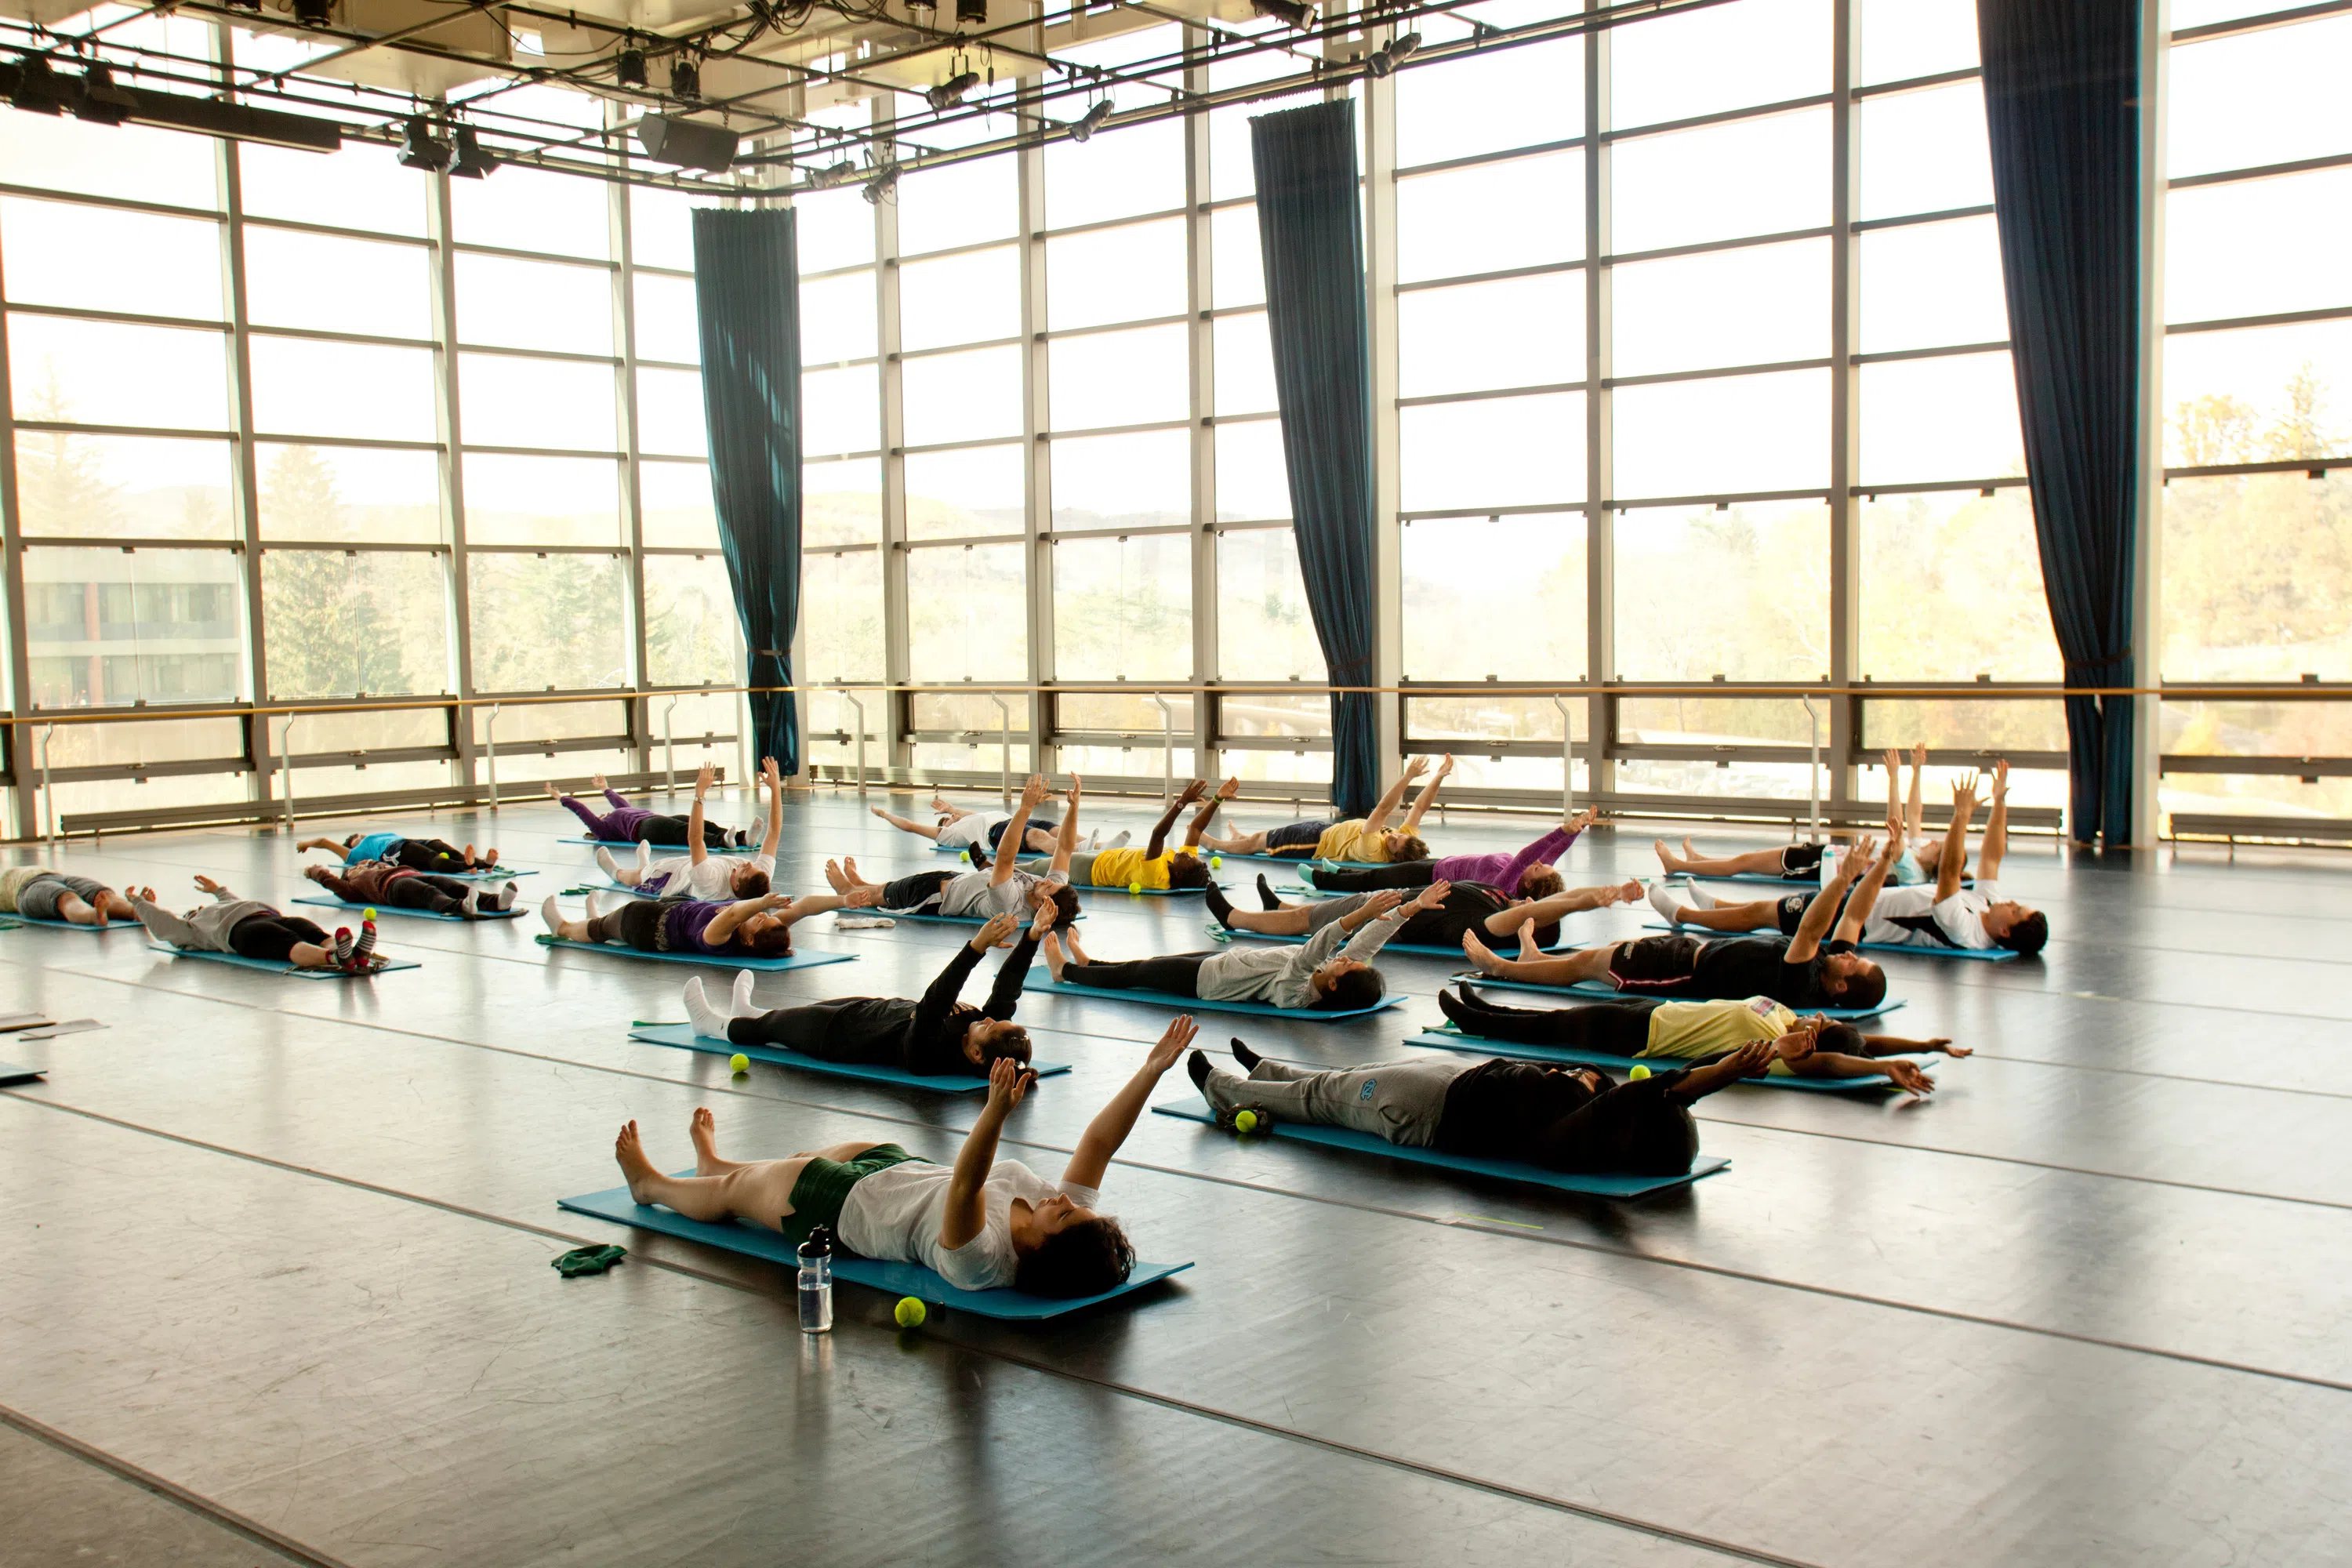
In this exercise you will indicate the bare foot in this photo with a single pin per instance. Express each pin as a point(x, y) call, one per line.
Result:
point(1530, 948)
point(1668, 858)
point(833, 879)
point(704, 1130)
point(489, 859)
point(629, 1151)
point(1055, 961)
point(849, 870)
point(1077, 953)
point(1479, 953)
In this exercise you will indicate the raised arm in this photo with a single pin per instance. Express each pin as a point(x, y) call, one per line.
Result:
point(722, 924)
point(1016, 831)
point(1996, 838)
point(931, 1011)
point(1158, 839)
point(1893, 763)
point(1823, 909)
point(1066, 840)
point(330, 846)
point(1116, 1120)
point(775, 835)
point(1379, 815)
point(1014, 973)
point(1750, 1060)
point(1542, 852)
point(1199, 825)
point(1428, 796)
point(1865, 897)
point(1956, 838)
point(1914, 821)
point(702, 777)
point(967, 1209)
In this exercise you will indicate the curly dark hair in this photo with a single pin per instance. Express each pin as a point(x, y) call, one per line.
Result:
point(1844, 1040)
point(2027, 936)
point(1188, 871)
point(1083, 1259)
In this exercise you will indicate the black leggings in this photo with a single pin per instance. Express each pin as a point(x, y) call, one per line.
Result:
point(428, 855)
point(273, 937)
point(440, 895)
point(913, 892)
point(1616, 1028)
point(1373, 879)
point(1178, 973)
point(636, 922)
point(672, 831)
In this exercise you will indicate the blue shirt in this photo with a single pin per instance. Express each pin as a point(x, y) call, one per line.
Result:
point(374, 846)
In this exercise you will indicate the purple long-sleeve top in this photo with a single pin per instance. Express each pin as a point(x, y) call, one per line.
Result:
point(1501, 870)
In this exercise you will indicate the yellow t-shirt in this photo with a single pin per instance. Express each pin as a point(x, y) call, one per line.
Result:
point(1689, 1030)
point(1349, 841)
point(1127, 867)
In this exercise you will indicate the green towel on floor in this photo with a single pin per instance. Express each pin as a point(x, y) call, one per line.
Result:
point(587, 1260)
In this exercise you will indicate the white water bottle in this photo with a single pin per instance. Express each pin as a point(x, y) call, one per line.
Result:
point(816, 1256)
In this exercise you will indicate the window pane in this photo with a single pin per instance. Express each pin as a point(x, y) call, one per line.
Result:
point(670, 416)
point(1491, 718)
point(542, 501)
point(1123, 609)
point(1243, 356)
point(545, 722)
point(354, 494)
point(506, 303)
point(1715, 438)
point(665, 320)
point(968, 711)
point(1301, 767)
point(1523, 213)
point(1230, 169)
point(1265, 631)
point(966, 396)
point(110, 627)
point(1460, 576)
point(974, 298)
point(1141, 480)
point(2258, 730)
point(1951, 589)
point(1253, 483)
point(99, 259)
point(1118, 173)
point(530, 209)
point(1303, 715)
point(841, 409)
point(1525, 96)
point(841, 504)
point(1758, 306)
point(1905, 38)
point(2258, 98)
point(1496, 451)
point(304, 387)
point(1520, 331)
point(1119, 378)
point(2257, 247)
point(1723, 56)
point(510, 401)
point(967, 613)
point(130, 741)
point(545, 623)
point(1237, 264)
point(1713, 721)
point(2257, 395)
point(133, 162)
point(359, 187)
point(2253, 567)
point(836, 228)
point(1932, 285)
point(678, 513)
point(344, 625)
point(959, 494)
point(338, 285)
point(1924, 151)
point(122, 487)
point(1132, 273)
point(661, 226)
point(961, 204)
point(1133, 715)
point(693, 635)
point(841, 623)
point(1951, 419)
point(1754, 176)
point(64, 370)
point(837, 319)
point(1743, 593)
point(1959, 725)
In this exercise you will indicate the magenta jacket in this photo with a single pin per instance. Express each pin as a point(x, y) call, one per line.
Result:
point(1501, 870)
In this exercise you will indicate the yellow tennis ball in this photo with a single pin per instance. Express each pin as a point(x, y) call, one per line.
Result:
point(739, 1063)
point(910, 1313)
point(367, 914)
point(1246, 1122)
point(1638, 1074)
point(963, 856)
point(1216, 862)
point(1135, 887)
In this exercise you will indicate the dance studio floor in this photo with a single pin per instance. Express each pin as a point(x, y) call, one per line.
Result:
point(274, 1285)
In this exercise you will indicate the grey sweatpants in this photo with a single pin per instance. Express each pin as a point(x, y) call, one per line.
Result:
point(1399, 1101)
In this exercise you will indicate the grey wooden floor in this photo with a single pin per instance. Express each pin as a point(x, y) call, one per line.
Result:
point(274, 1285)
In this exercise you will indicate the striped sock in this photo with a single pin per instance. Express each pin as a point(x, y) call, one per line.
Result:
point(363, 952)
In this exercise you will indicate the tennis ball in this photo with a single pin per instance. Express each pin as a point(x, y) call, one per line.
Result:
point(1135, 887)
point(739, 1063)
point(1638, 1074)
point(1246, 1122)
point(1216, 862)
point(367, 914)
point(963, 856)
point(910, 1313)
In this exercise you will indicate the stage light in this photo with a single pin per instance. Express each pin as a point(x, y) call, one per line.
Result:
point(1087, 124)
point(471, 163)
point(1384, 60)
point(629, 68)
point(929, 9)
point(949, 93)
point(685, 80)
point(689, 144)
point(101, 102)
point(419, 149)
point(314, 12)
point(972, 11)
point(881, 185)
point(38, 88)
point(1289, 12)
point(833, 174)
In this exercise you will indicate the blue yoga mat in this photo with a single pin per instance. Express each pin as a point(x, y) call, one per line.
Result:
point(1569, 1056)
point(266, 966)
point(891, 1279)
point(413, 914)
point(1792, 883)
point(1309, 860)
point(940, 920)
point(1983, 955)
point(1604, 1186)
point(804, 959)
point(1141, 892)
point(10, 1073)
point(683, 1037)
point(628, 844)
point(1195, 1005)
point(7, 920)
point(1607, 993)
point(1219, 933)
point(496, 874)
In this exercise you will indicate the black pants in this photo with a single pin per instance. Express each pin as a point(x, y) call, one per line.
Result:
point(913, 892)
point(1373, 879)
point(866, 1030)
point(671, 831)
point(438, 895)
point(1178, 973)
point(636, 922)
point(1615, 1028)
point(273, 937)
point(428, 855)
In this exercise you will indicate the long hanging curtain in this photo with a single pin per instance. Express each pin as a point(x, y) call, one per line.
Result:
point(2062, 108)
point(1311, 232)
point(747, 298)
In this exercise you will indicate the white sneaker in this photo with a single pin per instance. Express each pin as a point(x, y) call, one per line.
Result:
point(1667, 904)
point(605, 863)
point(708, 1021)
point(738, 1000)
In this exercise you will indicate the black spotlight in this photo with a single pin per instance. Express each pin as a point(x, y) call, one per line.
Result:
point(949, 93)
point(101, 102)
point(881, 185)
point(972, 11)
point(420, 149)
point(1290, 12)
point(471, 163)
point(685, 80)
point(314, 12)
point(1384, 60)
point(928, 9)
point(252, 5)
point(1087, 124)
point(38, 88)
point(629, 68)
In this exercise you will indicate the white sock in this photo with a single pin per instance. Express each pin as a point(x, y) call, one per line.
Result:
point(594, 912)
point(1094, 839)
point(738, 1000)
point(1699, 897)
point(1120, 842)
point(554, 916)
point(610, 866)
point(644, 858)
point(709, 1022)
point(472, 902)
point(507, 897)
point(1667, 904)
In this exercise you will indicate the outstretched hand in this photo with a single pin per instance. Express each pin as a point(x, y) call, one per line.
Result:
point(704, 777)
point(1581, 821)
point(1754, 1059)
point(1433, 895)
point(1008, 1080)
point(1173, 1042)
point(1415, 767)
point(1382, 902)
point(1192, 792)
point(995, 933)
point(1906, 1075)
point(1033, 793)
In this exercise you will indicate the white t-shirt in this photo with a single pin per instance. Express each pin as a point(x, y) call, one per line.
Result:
point(974, 894)
point(708, 882)
point(966, 831)
point(896, 1214)
point(1901, 915)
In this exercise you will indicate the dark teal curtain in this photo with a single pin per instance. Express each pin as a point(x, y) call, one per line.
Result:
point(2061, 107)
point(747, 295)
point(1311, 231)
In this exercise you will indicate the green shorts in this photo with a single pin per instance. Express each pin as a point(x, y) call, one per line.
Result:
point(824, 1186)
